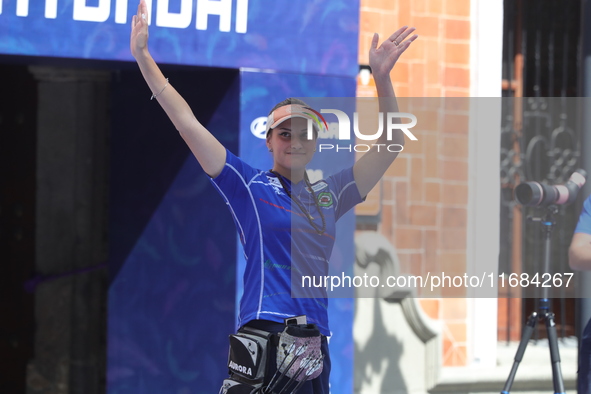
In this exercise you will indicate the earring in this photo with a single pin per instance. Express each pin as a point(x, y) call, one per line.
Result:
point(270, 150)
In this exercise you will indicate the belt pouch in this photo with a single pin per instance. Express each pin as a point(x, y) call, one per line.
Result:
point(249, 352)
point(234, 386)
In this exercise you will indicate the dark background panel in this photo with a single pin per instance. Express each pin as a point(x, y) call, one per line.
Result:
point(173, 242)
point(18, 106)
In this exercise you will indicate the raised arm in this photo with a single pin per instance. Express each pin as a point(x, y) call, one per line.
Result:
point(210, 153)
point(579, 253)
point(370, 168)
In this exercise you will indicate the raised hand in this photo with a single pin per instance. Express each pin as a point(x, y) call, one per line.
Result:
point(382, 59)
point(139, 30)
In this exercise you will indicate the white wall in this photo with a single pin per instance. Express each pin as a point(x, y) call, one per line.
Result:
point(484, 167)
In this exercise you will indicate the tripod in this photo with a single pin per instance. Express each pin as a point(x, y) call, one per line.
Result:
point(545, 314)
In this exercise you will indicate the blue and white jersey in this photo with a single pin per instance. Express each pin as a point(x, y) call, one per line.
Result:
point(584, 224)
point(278, 240)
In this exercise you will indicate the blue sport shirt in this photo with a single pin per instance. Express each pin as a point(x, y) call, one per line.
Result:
point(584, 224)
point(279, 241)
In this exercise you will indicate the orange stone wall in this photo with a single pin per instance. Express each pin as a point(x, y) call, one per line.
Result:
point(425, 192)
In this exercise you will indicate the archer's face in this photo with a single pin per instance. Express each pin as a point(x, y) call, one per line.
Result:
point(292, 150)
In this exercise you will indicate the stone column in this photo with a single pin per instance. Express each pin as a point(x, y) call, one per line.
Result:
point(71, 216)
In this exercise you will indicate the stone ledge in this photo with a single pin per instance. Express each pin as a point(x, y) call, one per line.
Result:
point(534, 374)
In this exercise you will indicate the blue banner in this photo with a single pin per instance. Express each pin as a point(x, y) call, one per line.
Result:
point(304, 36)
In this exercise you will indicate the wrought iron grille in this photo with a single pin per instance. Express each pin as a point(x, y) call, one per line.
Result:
point(539, 135)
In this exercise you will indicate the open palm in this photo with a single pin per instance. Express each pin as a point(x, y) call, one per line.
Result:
point(383, 58)
point(139, 29)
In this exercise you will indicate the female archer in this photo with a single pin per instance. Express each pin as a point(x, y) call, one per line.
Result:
point(258, 198)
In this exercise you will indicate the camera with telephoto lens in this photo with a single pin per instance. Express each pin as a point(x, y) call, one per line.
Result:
point(536, 194)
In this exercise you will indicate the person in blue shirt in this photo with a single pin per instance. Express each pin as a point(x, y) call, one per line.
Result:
point(285, 223)
point(579, 258)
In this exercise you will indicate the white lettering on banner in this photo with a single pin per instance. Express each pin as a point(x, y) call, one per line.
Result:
point(164, 18)
point(223, 8)
point(22, 7)
point(100, 13)
point(121, 11)
point(241, 16)
point(181, 20)
point(150, 12)
point(51, 9)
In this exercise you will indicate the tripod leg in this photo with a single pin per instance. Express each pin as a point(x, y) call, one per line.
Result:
point(554, 353)
point(527, 332)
